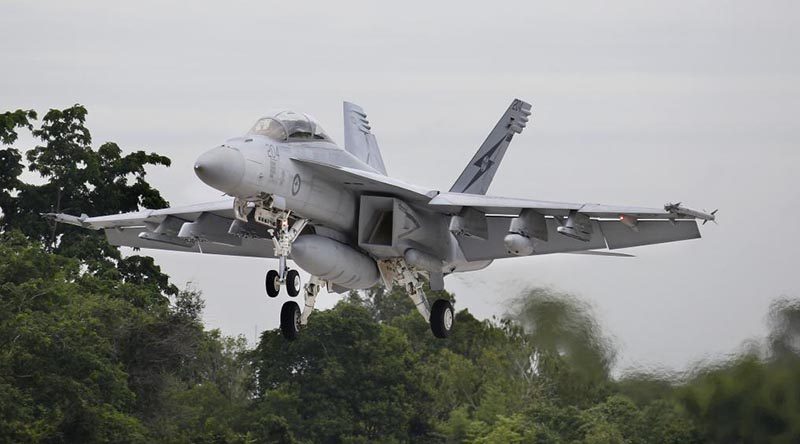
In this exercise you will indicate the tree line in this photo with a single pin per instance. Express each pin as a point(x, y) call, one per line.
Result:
point(97, 347)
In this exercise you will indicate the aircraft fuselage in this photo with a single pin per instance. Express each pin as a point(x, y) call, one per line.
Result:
point(264, 168)
point(254, 168)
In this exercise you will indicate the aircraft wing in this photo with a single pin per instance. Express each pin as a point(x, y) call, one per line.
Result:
point(200, 228)
point(454, 202)
point(612, 226)
point(368, 182)
point(611, 234)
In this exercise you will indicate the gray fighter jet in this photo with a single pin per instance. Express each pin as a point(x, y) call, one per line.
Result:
point(336, 214)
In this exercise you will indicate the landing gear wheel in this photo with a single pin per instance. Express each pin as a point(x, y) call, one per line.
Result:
point(293, 283)
point(273, 283)
point(442, 318)
point(290, 320)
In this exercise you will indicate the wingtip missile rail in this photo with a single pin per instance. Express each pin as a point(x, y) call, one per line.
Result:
point(79, 221)
point(681, 211)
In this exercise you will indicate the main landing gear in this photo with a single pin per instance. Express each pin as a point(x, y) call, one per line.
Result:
point(442, 318)
point(292, 319)
point(441, 315)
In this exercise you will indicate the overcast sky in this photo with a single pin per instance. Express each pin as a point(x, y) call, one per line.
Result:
point(634, 102)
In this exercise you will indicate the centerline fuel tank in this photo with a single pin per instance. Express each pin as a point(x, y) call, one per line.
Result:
point(335, 262)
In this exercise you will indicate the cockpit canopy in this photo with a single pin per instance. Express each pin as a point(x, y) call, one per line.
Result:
point(289, 126)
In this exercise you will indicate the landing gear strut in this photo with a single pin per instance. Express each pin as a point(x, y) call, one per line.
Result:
point(282, 238)
point(441, 316)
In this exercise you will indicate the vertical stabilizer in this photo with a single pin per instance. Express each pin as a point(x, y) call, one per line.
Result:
point(478, 175)
point(358, 138)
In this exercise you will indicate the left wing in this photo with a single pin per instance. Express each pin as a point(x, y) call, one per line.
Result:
point(454, 202)
point(201, 228)
point(611, 234)
point(561, 227)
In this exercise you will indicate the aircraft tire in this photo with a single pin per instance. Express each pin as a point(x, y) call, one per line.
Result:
point(442, 318)
point(273, 283)
point(293, 284)
point(290, 320)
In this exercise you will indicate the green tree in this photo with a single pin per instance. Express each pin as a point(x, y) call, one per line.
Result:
point(346, 378)
point(573, 354)
point(58, 364)
point(81, 362)
point(10, 158)
point(78, 180)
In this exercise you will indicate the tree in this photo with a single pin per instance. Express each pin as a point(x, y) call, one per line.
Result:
point(58, 364)
point(346, 376)
point(573, 354)
point(78, 179)
point(81, 362)
point(10, 158)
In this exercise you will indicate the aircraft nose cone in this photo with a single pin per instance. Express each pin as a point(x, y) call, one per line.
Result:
point(221, 168)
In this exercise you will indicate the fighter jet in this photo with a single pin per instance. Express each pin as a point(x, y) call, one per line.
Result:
point(334, 212)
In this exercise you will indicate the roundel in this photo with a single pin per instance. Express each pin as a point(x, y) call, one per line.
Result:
point(296, 184)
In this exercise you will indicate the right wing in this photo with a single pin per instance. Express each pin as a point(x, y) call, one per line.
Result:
point(200, 228)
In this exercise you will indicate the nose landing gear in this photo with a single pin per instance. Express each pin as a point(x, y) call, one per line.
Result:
point(292, 281)
point(273, 283)
point(282, 238)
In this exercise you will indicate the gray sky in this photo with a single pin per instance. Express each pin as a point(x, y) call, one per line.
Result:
point(634, 103)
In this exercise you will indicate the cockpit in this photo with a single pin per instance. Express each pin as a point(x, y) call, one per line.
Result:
point(290, 126)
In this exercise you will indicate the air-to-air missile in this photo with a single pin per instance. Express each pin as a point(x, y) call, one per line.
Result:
point(679, 210)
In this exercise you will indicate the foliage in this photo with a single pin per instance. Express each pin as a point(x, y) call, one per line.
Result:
point(542, 376)
point(77, 180)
